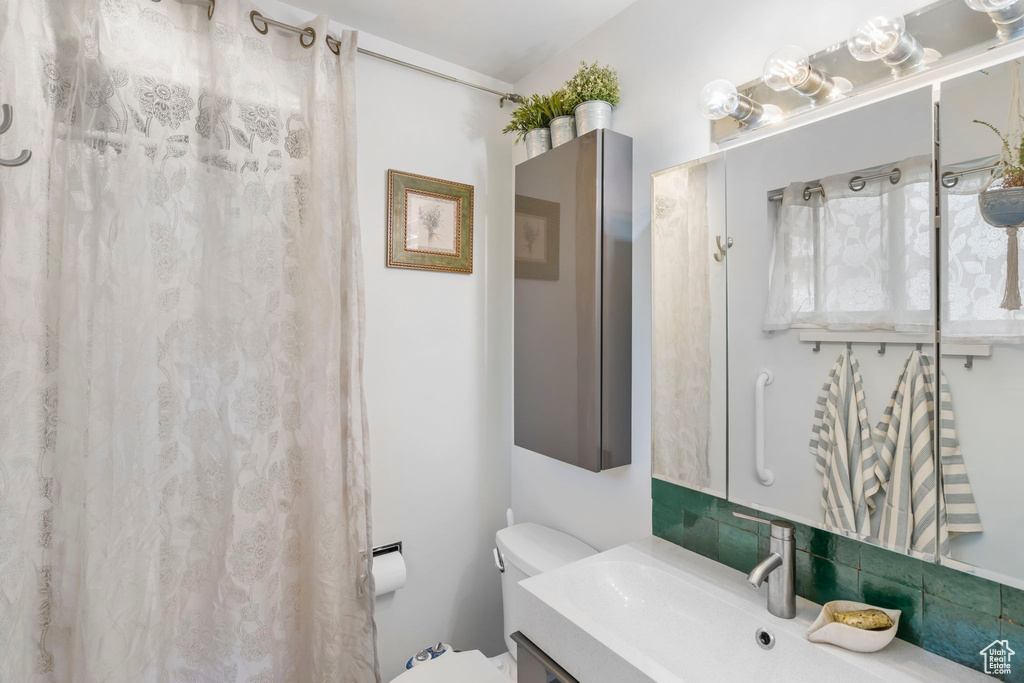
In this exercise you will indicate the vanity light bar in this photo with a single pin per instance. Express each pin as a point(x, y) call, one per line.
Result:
point(881, 48)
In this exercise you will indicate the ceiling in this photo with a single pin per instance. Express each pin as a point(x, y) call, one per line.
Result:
point(502, 39)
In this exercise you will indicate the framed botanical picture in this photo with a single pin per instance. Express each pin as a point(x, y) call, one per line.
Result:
point(536, 238)
point(430, 223)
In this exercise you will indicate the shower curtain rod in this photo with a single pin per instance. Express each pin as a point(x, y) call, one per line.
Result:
point(334, 44)
point(949, 179)
point(857, 183)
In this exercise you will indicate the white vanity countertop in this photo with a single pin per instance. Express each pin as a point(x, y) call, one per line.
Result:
point(651, 611)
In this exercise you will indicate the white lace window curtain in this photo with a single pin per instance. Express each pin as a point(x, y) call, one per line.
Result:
point(976, 265)
point(855, 260)
point(184, 484)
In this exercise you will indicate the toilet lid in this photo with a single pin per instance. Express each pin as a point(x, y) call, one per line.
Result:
point(455, 667)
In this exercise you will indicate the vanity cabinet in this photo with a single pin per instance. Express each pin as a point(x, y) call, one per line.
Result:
point(573, 302)
point(533, 665)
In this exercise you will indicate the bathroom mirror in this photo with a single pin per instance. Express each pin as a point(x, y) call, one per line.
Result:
point(688, 269)
point(978, 308)
point(830, 296)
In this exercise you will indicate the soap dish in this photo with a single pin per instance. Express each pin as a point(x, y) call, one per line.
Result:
point(826, 629)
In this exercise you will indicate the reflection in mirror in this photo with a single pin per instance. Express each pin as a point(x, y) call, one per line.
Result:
point(689, 243)
point(980, 292)
point(831, 325)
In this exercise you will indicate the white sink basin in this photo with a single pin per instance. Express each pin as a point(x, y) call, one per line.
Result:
point(652, 611)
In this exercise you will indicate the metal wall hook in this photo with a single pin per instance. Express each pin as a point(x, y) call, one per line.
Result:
point(720, 256)
point(881, 348)
point(8, 119)
point(969, 363)
point(817, 347)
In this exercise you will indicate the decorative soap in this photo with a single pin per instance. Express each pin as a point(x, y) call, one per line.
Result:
point(867, 619)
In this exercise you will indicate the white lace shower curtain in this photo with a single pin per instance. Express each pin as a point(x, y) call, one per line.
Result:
point(184, 486)
point(850, 259)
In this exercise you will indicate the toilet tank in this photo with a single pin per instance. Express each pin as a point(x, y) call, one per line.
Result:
point(526, 550)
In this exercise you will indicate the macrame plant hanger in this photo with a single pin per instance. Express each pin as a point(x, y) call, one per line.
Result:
point(1014, 139)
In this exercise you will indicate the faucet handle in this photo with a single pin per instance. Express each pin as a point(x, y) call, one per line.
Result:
point(780, 527)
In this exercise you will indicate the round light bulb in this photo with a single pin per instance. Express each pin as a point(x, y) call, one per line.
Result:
point(719, 99)
point(787, 68)
point(989, 5)
point(877, 36)
point(1007, 15)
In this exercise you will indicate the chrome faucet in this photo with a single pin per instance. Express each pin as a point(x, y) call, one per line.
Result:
point(778, 568)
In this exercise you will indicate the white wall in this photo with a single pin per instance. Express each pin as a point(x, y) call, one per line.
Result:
point(438, 349)
point(665, 51)
point(437, 386)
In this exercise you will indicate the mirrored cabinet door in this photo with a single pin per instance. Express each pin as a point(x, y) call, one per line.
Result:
point(980, 304)
point(838, 337)
point(830, 304)
point(688, 265)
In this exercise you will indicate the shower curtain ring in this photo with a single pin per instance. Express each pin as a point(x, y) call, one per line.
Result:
point(253, 16)
point(333, 44)
point(311, 33)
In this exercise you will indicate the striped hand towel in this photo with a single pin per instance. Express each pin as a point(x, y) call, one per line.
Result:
point(842, 448)
point(917, 509)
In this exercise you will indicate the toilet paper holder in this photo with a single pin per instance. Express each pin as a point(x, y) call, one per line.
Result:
point(387, 548)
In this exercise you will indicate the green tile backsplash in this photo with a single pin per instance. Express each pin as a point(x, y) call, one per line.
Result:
point(946, 611)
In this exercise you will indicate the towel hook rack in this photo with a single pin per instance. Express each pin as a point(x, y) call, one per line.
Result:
point(8, 118)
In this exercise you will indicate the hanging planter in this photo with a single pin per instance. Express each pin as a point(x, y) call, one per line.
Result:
point(1002, 200)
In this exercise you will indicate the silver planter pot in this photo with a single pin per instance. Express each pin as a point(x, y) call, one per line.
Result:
point(563, 129)
point(592, 115)
point(1004, 207)
point(538, 141)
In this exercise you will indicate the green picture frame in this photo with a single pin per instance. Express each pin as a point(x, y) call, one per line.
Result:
point(430, 223)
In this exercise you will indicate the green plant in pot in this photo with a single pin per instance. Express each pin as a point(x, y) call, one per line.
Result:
point(530, 124)
point(592, 92)
point(563, 123)
point(1002, 204)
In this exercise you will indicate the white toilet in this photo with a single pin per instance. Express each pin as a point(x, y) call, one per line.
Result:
point(523, 550)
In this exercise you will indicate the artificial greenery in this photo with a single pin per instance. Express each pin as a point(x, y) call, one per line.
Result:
point(592, 82)
point(536, 111)
point(559, 104)
point(1012, 157)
